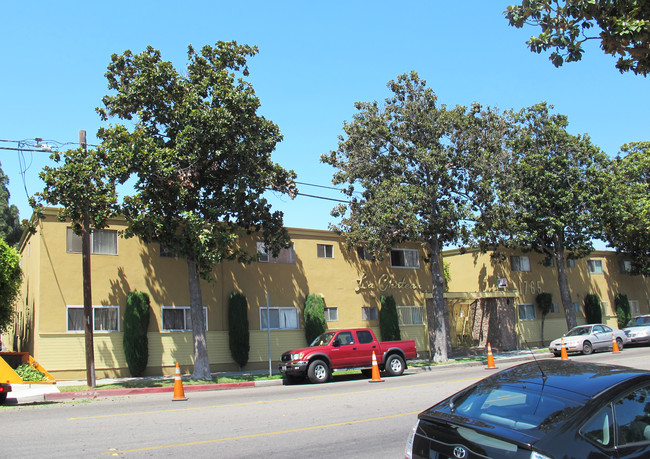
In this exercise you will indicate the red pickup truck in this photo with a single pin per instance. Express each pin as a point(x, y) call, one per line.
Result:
point(344, 350)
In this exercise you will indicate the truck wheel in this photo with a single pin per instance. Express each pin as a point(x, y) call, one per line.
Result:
point(3, 398)
point(394, 365)
point(318, 371)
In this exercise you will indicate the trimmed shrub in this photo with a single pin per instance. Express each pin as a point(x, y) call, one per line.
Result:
point(388, 319)
point(623, 313)
point(136, 323)
point(238, 331)
point(593, 312)
point(315, 323)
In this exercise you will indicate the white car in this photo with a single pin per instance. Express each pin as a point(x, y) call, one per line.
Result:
point(638, 329)
point(589, 338)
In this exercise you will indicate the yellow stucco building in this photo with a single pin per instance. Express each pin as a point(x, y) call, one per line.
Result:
point(489, 300)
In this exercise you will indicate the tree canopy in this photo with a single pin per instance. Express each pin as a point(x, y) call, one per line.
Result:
point(200, 156)
point(423, 173)
point(10, 226)
point(549, 191)
point(626, 205)
point(623, 28)
point(11, 276)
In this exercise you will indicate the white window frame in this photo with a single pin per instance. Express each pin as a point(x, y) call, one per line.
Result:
point(370, 313)
point(73, 241)
point(570, 263)
point(555, 308)
point(577, 308)
point(595, 266)
point(410, 258)
point(331, 314)
point(634, 307)
point(287, 256)
point(520, 263)
point(325, 250)
point(364, 254)
point(528, 310)
point(95, 309)
point(288, 317)
point(410, 315)
point(187, 312)
point(625, 266)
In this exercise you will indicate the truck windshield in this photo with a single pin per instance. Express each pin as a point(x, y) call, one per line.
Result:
point(323, 339)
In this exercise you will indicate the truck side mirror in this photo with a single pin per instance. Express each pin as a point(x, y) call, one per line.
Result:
point(336, 343)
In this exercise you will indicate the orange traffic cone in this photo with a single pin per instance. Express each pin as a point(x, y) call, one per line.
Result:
point(491, 364)
point(179, 393)
point(563, 353)
point(375, 369)
point(614, 344)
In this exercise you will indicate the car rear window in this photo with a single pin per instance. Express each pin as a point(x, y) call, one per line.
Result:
point(515, 407)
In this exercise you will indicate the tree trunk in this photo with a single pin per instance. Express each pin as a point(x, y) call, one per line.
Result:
point(563, 283)
point(436, 315)
point(201, 361)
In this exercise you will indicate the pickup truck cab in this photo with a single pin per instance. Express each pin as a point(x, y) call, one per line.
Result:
point(344, 350)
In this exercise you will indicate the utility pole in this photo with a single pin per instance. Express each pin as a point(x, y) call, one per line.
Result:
point(87, 288)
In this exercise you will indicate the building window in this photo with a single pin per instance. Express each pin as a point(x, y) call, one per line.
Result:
point(520, 263)
point(634, 307)
point(410, 315)
point(625, 266)
point(526, 311)
point(364, 254)
point(595, 266)
point(285, 255)
point(555, 308)
point(331, 314)
point(325, 250)
point(369, 313)
point(576, 308)
point(105, 318)
point(102, 242)
point(179, 318)
point(570, 263)
point(281, 318)
point(404, 258)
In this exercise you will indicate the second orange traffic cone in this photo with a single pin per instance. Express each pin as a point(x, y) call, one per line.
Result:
point(179, 393)
point(563, 352)
point(375, 369)
point(614, 344)
point(491, 364)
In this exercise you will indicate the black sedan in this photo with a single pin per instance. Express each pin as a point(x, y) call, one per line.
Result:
point(539, 410)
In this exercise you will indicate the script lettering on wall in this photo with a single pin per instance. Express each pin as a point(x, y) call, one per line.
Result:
point(383, 283)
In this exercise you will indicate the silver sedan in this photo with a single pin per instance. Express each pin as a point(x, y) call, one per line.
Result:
point(589, 338)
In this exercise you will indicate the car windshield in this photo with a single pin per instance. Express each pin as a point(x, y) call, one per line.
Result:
point(641, 321)
point(517, 407)
point(323, 339)
point(579, 331)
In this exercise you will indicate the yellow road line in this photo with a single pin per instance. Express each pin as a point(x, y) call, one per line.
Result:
point(259, 402)
point(263, 434)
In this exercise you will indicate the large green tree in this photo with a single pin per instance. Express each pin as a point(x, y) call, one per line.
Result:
point(549, 192)
point(82, 185)
point(622, 27)
point(200, 158)
point(10, 227)
point(11, 276)
point(423, 174)
point(626, 205)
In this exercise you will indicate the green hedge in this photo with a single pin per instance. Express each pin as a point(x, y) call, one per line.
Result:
point(136, 323)
point(315, 323)
point(389, 320)
point(593, 311)
point(238, 328)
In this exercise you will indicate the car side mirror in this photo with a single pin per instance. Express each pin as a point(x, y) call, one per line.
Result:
point(336, 343)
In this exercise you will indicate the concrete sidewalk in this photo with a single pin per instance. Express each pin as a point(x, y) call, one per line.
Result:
point(39, 393)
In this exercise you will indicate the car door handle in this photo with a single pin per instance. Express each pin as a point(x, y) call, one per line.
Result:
point(354, 348)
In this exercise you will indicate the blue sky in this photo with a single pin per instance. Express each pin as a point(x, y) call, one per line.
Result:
point(315, 60)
